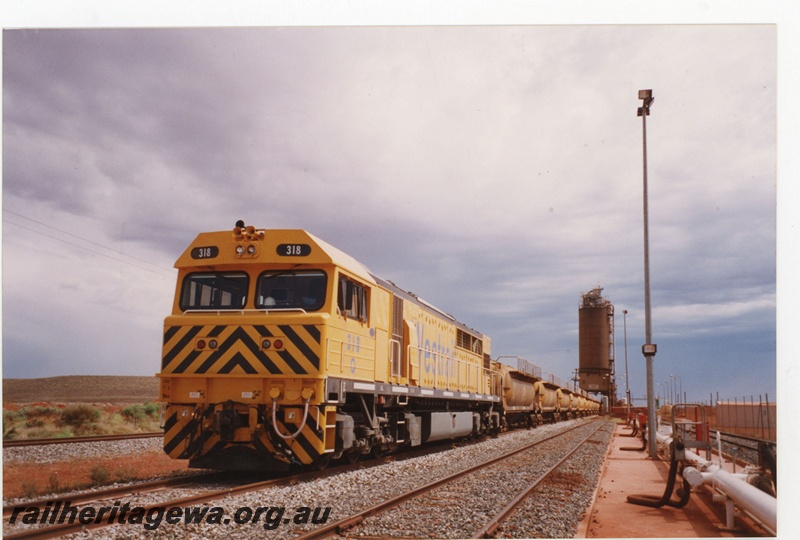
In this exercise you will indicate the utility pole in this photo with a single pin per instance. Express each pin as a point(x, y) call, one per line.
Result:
point(625, 338)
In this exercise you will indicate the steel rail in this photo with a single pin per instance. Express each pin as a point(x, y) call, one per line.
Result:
point(340, 525)
point(491, 527)
point(91, 496)
point(54, 531)
point(727, 437)
point(730, 439)
point(732, 435)
point(92, 438)
point(58, 530)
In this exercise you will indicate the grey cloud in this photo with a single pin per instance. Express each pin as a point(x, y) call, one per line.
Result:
point(495, 171)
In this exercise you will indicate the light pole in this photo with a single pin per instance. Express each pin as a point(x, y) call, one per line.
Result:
point(675, 387)
point(649, 348)
point(625, 339)
point(673, 380)
point(670, 386)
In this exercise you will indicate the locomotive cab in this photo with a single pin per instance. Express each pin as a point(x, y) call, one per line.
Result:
point(244, 348)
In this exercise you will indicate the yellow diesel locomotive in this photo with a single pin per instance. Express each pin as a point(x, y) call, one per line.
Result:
point(281, 349)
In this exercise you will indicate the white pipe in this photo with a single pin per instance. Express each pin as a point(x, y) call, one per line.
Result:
point(748, 497)
point(761, 505)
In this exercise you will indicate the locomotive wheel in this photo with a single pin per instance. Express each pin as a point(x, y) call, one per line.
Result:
point(352, 456)
point(322, 462)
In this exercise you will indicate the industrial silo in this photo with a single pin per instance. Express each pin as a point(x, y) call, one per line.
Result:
point(596, 343)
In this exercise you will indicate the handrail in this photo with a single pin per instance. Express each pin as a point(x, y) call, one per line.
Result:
point(679, 429)
point(339, 350)
point(395, 357)
point(243, 311)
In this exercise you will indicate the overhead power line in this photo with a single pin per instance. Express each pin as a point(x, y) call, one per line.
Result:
point(161, 270)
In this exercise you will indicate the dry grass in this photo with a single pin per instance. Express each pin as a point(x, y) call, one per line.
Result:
point(78, 405)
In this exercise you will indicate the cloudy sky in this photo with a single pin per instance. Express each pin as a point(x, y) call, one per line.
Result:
point(495, 170)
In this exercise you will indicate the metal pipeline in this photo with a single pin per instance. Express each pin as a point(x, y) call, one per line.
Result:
point(739, 488)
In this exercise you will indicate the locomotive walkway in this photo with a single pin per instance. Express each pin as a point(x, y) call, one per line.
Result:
point(634, 473)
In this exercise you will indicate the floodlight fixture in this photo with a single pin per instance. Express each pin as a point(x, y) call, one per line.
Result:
point(647, 100)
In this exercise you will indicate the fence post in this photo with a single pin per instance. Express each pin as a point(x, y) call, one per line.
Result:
point(769, 425)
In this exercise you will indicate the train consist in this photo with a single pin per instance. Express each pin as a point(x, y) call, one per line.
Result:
point(282, 350)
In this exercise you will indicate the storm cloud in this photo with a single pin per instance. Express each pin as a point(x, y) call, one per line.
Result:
point(496, 171)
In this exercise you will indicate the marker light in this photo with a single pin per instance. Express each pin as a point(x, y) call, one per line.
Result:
point(266, 344)
point(240, 250)
point(279, 344)
point(201, 344)
point(251, 249)
point(212, 344)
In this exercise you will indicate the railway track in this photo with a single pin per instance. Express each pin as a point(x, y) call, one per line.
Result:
point(193, 482)
point(130, 493)
point(85, 497)
point(551, 484)
point(70, 440)
point(445, 489)
point(345, 487)
point(742, 450)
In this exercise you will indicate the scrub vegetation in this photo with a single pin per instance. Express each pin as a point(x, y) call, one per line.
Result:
point(40, 421)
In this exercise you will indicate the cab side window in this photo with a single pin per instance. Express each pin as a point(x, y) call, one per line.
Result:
point(352, 299)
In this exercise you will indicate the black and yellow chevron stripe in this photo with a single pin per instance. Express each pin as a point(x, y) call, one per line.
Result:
point(309, 444)
point(185, 438)
point(239, 350)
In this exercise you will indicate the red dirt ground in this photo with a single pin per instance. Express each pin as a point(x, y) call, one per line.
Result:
point(20, 477)
point(114, 392)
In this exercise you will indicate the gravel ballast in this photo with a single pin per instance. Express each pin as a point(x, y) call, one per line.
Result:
point(351, 492)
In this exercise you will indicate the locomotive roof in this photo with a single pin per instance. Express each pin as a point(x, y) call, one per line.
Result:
point(411, 297)
point(269, 242)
